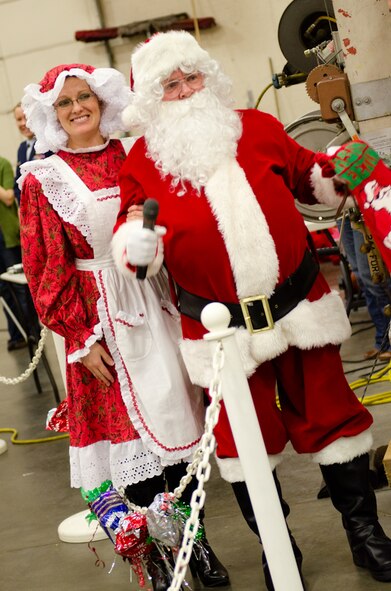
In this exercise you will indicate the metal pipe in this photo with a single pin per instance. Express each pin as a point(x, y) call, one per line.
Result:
point(102, 22)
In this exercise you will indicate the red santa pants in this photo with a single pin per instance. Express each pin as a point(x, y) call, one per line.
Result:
point(317, 404)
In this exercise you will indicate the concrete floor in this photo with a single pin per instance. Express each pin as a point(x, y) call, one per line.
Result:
point(36, 497)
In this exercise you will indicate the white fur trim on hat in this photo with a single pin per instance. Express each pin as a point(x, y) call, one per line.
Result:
point(157, 58)
point(107, 83)
point(164, 53)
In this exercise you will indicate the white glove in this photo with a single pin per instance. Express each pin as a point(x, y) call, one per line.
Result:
point(141, 245)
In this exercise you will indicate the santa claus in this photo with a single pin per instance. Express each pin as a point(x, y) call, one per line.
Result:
point(229, 231)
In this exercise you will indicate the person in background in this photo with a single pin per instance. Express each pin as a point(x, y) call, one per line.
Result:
point(377, 296)
point(26, 152)
point(226, 183)
point(134, 419)
point(26, 149)
point(10, 252)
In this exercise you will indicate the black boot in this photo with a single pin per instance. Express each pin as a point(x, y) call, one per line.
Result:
point(206, 566)
point(353, 496)
point(204, 563)
point(243, 498)
point(377, 474)
point(157, 570)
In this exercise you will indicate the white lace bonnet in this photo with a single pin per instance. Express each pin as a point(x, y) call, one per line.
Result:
point(107, 83)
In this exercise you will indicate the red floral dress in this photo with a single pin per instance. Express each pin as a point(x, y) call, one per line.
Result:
point(66, 226)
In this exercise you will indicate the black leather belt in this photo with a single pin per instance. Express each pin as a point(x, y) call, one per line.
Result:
point(259, 313)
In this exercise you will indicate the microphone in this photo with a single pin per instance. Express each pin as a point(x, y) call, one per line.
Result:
point(150, 211)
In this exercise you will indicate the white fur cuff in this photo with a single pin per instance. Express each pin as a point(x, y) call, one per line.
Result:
point(324, 190)
point(344, 449)
point(231, 468)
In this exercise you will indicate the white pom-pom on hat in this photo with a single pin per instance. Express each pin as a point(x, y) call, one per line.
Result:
point(130, 117)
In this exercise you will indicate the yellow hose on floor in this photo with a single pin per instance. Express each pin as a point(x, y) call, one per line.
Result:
point(16, 441)
point(384, 375)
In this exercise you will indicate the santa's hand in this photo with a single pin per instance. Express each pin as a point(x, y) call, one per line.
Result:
point(352, 164)
point(141, 245)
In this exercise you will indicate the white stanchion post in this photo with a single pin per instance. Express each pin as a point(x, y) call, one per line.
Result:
point(3, 446)
point(59, 345)
point(252, 453)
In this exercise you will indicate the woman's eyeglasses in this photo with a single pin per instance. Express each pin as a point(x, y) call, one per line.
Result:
point(173, 87)
point(67, 103)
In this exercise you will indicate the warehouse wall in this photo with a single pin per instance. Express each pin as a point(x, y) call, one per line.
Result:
point(36, 35)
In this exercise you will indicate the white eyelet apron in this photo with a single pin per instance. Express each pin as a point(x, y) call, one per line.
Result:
point(142, 330)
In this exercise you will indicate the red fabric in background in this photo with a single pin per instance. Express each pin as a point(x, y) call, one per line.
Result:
point(321, 240)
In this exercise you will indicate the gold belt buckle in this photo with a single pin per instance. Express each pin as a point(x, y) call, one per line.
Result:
point(244, 303)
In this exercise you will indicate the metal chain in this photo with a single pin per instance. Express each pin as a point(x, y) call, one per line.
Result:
point(32, 365)
point(202, 464)
point(199, 466)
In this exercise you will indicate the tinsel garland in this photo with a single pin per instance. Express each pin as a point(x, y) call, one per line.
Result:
point(134, 534)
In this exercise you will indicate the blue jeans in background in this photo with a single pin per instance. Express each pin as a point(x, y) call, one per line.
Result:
point(376, 296)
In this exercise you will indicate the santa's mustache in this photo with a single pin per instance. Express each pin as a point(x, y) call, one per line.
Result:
point(193, 105)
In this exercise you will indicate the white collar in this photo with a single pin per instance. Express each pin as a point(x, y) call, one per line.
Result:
point(85, 150)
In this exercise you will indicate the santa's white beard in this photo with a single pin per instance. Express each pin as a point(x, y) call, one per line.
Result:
point(189, 138)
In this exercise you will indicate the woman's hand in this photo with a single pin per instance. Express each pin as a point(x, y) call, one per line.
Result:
point(96, 362)
point(135, 212)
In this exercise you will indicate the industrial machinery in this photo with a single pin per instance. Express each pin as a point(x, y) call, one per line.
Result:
point(309, 40)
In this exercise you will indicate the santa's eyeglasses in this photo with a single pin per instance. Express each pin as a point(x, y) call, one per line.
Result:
point(194, 80)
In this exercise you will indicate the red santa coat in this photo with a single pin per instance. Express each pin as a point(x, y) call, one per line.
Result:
point(242, 236)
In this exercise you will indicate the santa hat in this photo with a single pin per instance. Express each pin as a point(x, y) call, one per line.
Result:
point(155, 59)
point(108, 84)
